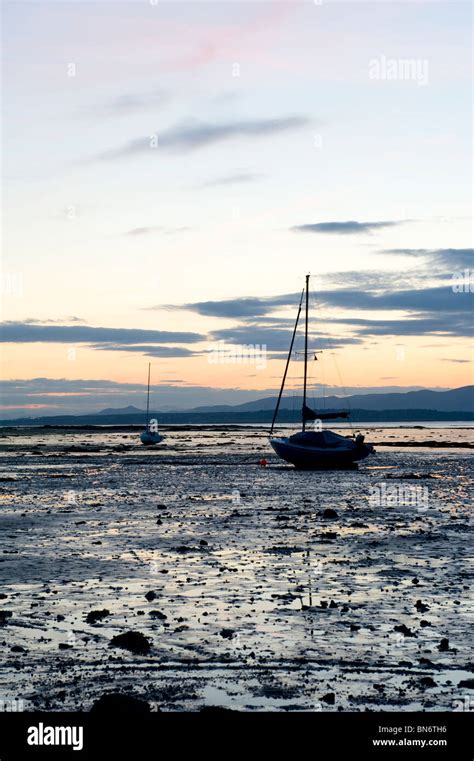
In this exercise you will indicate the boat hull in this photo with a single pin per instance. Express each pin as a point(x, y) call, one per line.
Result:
point(319, 458)
point(149, 438)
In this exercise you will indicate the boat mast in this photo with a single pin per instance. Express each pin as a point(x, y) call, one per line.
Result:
point(305, 352)
point(287, 363)
point(148, 398)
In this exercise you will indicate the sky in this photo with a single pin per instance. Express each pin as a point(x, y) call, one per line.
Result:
point(172, 170)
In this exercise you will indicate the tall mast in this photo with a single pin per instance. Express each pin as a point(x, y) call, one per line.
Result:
point(305, 351)
point(148, 397)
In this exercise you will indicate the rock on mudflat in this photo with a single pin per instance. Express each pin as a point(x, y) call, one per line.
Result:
point(134, 641)
point(427, 681)
point(404, 630)
point(158, 614)
point(97, 615)
point(115, 702)
point(329, 698)
point(421, 607)
point(330, 514)
point(150, 596)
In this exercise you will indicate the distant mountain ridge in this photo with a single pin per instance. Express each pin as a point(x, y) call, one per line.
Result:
point(454, 404)
point(457, 399)
point(130, 410)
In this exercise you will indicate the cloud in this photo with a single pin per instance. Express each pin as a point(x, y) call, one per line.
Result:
point(129, 103)
point(436, 299)
point(231, 179)
point(344, 228)
point(194, 135)
point(436, 310)
point(276, 339)
point(26, 332)
point(50, 321)
point(441, 325)
point(460, 361)
point(148, 351)
point(239, 307)
point(447, 257)
point(157, 229)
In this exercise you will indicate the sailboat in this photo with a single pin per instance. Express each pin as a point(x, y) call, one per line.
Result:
point(149, 436)
point(314, 450)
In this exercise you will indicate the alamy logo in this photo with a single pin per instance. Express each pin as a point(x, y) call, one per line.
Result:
point(42, 735)
point(463, 282)
point(399, 69)
point(221, 353)
point(399, 495)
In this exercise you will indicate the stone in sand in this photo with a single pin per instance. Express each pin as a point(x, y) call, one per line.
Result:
point(97, 615)
point(158, 614)
point(330, 514)
point(421, 607)
point(404, 630)
point(329, 698)
point(227, 633)
point(467, 683)
point(443, 646)
point(427, 681)
point(134, 641)
point(150, 596)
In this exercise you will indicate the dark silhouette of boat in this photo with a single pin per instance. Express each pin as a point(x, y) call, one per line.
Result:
point(315, 450)
point(149, 436)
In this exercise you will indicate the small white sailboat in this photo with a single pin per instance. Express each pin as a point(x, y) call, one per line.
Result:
point(150, 436)
point(313, 450)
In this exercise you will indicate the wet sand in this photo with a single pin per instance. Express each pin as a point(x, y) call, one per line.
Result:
point(274, 589)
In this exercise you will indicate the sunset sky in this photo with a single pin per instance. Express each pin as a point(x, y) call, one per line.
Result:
point(173, 170)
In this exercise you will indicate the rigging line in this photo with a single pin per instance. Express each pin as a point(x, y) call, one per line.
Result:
point(336, 365)
point(148, 398)
point(287, 364)
point(305, 353)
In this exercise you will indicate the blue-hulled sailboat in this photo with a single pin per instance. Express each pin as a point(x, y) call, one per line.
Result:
point(315, 450)
point(149, 436)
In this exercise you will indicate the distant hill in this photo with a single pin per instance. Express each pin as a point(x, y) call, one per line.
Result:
point(130, 410)
point(425, 405)
point(459, 399)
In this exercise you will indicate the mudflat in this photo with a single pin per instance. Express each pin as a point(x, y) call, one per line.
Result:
point(189, 576)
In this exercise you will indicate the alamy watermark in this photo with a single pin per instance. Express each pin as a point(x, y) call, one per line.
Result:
point(399, 69)
point(221, 353)
point(13, 705)
point(466, 703)
point(11, 284)
point(399, 495)
point(463, 282)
